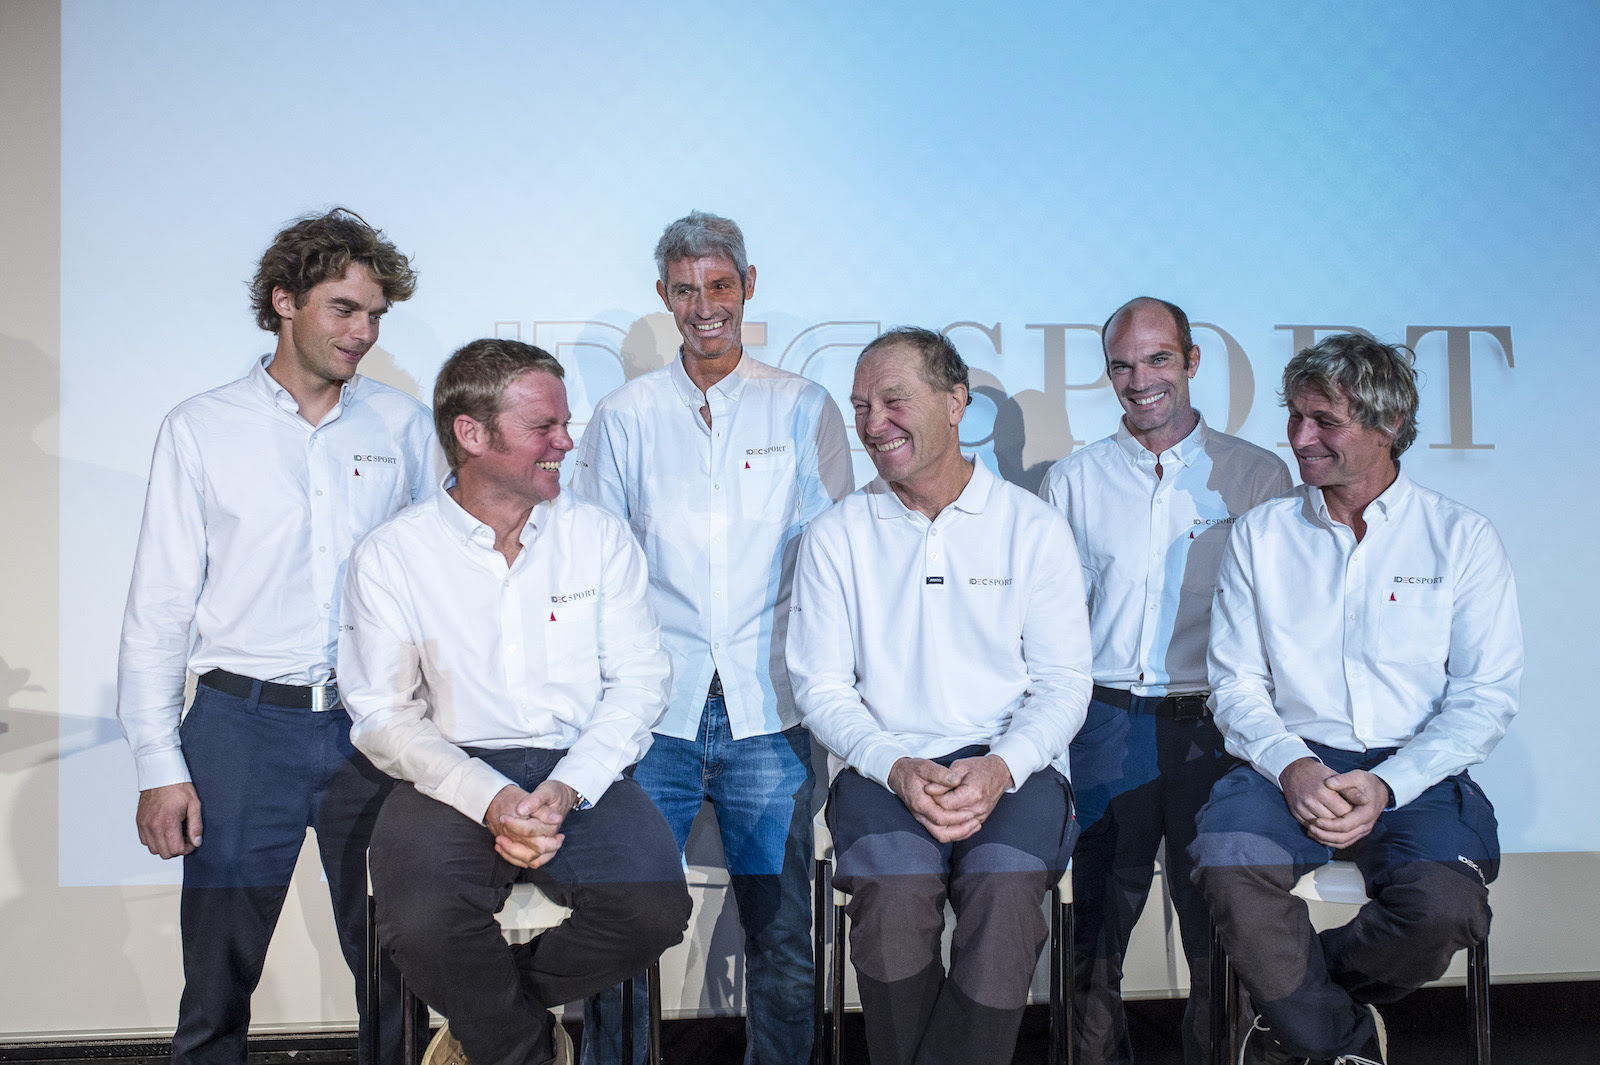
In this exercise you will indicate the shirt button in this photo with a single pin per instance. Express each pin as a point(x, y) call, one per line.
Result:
point(324, 550)
point(716, 487)
point(935, 556)
point(319, 491)
point(1352, 617)
point(327, 606)
point(934, 533)
point(716, 595)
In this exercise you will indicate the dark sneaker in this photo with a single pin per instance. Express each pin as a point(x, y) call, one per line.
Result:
point(1260, 1048)
point(563, 1045)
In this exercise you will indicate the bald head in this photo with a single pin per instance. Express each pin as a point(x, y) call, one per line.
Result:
point(1141, 306)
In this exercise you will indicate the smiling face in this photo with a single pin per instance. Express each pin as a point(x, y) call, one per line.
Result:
point(706, 297)
point(908, 427)
point(1150, 373)
point(321, 340)
point(1334, 450)
point(519, 453)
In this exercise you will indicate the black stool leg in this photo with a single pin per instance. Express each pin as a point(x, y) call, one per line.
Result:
point(1061, 946)
point(653, 988)
point(1478, 1000)
point(627, 1021)
point(819, 961)
point(1224, 1005)
point(372, 1022)
point(836, 975)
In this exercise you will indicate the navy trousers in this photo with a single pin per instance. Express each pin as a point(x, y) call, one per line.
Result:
point(1138, 779)
point(265, 774)
point(1427, 867)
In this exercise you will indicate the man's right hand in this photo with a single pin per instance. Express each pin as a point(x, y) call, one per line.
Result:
point(919, 782)
point(169, 819)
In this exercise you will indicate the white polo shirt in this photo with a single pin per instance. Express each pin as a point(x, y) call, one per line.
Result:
point(716, 509)
point(1151, 546)
point(916, 638)
point(444, 646)
point(1410, 638)
point(249, 518)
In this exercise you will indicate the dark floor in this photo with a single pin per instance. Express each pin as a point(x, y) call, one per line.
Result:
point(1534, 1024)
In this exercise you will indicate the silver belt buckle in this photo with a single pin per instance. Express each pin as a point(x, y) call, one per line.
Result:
point(324, 697)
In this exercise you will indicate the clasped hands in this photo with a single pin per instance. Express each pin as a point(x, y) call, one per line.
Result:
point(1335, 809)
point(951, 803)
point(527, 825)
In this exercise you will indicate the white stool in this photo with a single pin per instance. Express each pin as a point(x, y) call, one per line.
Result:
point(1341, 883)
point(528, 911)
point(828, 910)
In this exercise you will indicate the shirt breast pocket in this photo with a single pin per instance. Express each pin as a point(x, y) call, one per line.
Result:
point(571, 641)
point(375, 493)
point(1414, 627)
point(766, 486)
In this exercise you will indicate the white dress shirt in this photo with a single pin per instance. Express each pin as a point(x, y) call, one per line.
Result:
point(1151, 546)
point(250, 516)
point(445, 646)
point(1410, 638)
point(916, 638)
point(717, 508)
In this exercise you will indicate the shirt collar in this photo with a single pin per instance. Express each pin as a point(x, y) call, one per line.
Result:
point(1183, 452)
point(973, 498)
point(1389, 501)
point(470, 530)
point(281, 397)
point(730, 386)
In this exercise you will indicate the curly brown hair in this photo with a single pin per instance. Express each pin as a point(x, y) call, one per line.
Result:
point(317, 248)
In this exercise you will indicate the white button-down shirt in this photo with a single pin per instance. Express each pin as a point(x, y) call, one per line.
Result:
point(250, 516)
point(1410, 638)
point(716, 508)
point(445, 646)
point(1151, 546)
point(916, 638)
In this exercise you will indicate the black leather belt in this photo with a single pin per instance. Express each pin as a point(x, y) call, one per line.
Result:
point(1185, 707)
point(316, 698)
point(715, 691)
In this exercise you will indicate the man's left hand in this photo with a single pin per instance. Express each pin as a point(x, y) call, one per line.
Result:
point(983, 781)
point(530, 834)
point(1367, 795)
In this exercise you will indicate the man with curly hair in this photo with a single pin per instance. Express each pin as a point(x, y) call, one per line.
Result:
point(258, 491)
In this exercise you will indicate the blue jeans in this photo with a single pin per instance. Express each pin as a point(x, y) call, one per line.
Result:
point(760, 788)
point(1427, 866)
point(264, 775)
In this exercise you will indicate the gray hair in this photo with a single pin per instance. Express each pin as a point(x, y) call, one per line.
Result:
point(1379, 379)
point(698, 234)
point(942, 365)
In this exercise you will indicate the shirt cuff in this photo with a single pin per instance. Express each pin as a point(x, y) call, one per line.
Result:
point(589, 779)
point(474, 789)
point(1021, 758)
point(1404, 784)
point(1280, 754)
point(161, 769)
point(879, 759)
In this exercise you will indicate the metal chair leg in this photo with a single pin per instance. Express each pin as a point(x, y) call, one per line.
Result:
point(1224, 1005)
point(836, 976)
point(1061, 948)
point(819, 962)
point(1478, 1000)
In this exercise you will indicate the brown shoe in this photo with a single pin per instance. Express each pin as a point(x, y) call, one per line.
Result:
point(444, 1049)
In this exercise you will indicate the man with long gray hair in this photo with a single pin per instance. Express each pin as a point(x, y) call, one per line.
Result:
point(1365, 650)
